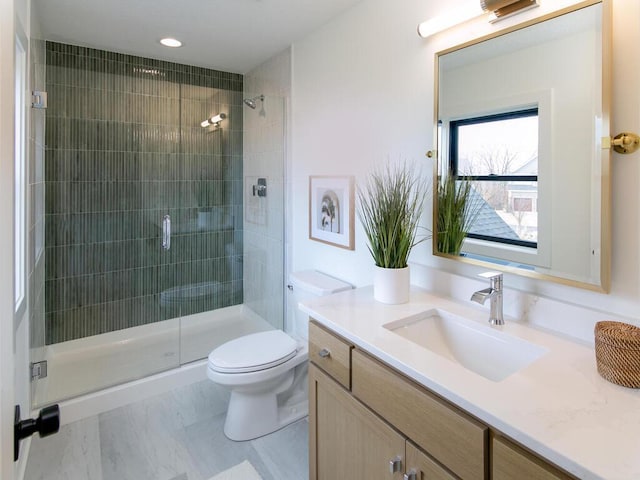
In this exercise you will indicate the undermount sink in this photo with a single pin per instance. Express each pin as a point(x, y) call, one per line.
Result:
point(480, 348)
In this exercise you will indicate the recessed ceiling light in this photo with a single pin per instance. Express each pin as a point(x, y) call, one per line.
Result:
point(171, 42)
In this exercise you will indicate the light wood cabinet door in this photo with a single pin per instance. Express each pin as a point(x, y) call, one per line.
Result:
point(423, 466)
point(510, 461)
point(452, 437)
point(347, 441)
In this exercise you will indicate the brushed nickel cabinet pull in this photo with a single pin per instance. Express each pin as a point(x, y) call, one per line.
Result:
point(411, 475)
point(395, 465)
point(324, 353)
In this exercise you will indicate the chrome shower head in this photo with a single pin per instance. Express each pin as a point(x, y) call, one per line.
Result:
point(251, 102)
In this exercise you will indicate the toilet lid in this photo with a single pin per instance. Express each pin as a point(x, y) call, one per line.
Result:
point(250, 353)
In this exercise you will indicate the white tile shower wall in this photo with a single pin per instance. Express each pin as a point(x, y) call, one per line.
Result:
point(264, 151)
point(360, 97)
point(272, 78)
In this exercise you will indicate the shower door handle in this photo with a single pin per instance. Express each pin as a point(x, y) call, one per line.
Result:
point(166, 232)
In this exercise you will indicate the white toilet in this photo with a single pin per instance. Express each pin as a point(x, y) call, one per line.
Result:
point(267, 371)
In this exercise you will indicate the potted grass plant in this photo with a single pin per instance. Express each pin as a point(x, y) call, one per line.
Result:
point(456, 213)
point(391, 203)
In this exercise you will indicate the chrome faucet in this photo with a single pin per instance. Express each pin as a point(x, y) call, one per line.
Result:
point(494, 293)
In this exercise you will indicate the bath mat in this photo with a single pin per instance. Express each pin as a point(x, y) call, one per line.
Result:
point(242, 471)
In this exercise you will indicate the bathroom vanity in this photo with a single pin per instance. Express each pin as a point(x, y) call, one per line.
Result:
point(386, 405)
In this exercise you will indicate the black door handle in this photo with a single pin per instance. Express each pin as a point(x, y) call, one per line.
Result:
point(47, 423)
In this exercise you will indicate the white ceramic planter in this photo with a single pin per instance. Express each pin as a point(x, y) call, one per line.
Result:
point(391, 285)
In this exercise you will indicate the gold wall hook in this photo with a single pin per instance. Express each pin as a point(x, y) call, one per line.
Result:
point(626, 142)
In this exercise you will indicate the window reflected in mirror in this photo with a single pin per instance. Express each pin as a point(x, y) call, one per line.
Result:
point(498, 154)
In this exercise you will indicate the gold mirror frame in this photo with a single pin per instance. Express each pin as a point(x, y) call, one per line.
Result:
point(604, 283)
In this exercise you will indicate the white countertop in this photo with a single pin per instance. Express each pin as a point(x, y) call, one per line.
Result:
point(558, 406)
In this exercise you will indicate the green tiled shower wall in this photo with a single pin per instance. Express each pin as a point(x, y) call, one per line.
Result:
point(124, 148)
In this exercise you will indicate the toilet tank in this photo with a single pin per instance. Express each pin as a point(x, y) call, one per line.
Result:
point(303, 286)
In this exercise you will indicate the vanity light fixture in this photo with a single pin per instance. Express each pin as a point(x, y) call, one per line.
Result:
point(501, 9)
point(451, 18)
point(213, 120)
point(494, 9)
point(171, 42)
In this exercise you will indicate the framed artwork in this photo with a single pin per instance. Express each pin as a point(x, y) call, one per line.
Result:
point(331, 207)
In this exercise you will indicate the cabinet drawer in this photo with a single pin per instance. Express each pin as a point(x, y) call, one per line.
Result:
point(331, 353)
point(449, 435)
point(510, 461)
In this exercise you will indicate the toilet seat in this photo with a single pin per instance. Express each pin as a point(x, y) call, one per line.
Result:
point(254, 352)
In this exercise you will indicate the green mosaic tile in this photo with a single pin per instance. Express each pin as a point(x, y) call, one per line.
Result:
point(92, 60)
point(123, 149)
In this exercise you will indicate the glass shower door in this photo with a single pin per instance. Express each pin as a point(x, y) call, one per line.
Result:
point(241, 221)
point(134, 186)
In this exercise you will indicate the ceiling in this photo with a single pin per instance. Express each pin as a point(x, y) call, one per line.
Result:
point(229, 35)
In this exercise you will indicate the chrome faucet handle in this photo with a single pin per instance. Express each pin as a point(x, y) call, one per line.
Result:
point(495, 278)
point(494, 292)
point(490, 275)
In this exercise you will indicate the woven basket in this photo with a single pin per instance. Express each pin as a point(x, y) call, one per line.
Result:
point(618, 353)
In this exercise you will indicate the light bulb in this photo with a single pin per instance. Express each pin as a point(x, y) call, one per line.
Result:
point(450, 19)
point(171, 42)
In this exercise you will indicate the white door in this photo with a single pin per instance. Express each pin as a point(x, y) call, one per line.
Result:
point(7, 388)
point(8, 317)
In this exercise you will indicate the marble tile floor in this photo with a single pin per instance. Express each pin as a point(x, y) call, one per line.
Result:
point(173, 436)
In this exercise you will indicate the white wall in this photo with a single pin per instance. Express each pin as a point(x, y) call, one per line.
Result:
point(363, 92)
point(360, 96)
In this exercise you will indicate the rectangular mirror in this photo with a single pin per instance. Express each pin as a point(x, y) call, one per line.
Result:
point(521, 115)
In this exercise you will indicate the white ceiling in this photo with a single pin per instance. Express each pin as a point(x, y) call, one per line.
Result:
point(229, 35)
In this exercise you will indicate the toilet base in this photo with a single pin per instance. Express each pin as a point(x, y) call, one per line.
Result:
point(252, 427)
point(254, 414)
